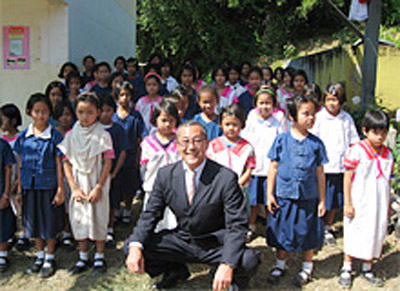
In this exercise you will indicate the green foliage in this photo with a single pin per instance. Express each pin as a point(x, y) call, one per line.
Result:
point(210, 31)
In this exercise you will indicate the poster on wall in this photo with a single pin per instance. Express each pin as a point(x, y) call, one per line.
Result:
point(16, 47)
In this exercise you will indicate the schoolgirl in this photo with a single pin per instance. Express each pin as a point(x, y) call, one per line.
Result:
point(246, 101)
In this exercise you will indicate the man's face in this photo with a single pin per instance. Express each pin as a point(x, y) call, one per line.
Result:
point(192, 145)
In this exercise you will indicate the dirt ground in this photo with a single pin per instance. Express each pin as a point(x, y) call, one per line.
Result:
point(327, 264)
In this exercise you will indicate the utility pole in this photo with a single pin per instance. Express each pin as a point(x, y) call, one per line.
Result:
point(371, 45)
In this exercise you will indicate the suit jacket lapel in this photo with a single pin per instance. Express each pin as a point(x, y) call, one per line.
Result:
point(179, 181)
point(204, 185)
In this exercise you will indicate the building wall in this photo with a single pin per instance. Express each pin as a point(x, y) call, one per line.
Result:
point(48, 22)
point(102, 28)
point(343, 64)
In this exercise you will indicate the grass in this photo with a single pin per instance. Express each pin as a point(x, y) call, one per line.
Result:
point(326, 267)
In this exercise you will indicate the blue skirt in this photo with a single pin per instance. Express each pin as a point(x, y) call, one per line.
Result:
point(7, 224)
point(130, 182)
point(116, 191)
point(40, 218)
point(295, 226)
point(334, 191)
point(258, 190)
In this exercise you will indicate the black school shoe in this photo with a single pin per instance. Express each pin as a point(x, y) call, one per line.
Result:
point(35, 267)
point(79, 268)
point(372, 279)
point(4, 264)
point(171, 278)
point(99, 267)
point(274, 275)
point(48, 269)
point(301, 279)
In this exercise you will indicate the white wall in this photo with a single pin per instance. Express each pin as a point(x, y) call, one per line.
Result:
point(48, 24)
point(102, 28)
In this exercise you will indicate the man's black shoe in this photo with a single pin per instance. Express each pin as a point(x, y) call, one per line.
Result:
point(171, 278)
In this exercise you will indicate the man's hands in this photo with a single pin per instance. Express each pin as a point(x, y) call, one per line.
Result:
point(135, 260)
point(223, 277)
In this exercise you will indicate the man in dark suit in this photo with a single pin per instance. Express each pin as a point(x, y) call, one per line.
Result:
point(212, 221)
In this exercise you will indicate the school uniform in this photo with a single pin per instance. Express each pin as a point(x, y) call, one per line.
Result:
point(138, 85)
point(212, 127)
point(41, 219)
point(261, 134)
point(100, 91)
point(237, 89)
point(134, 129)
point(364, 234)
point(146, 108)
point(238, 156)
point(246, 101)
point(7, 217)
point(193, 107)
point(155, 155)
point(337, 133)
point(120, 143)
point(227, 98)
point(170, 83)
point(295, 226)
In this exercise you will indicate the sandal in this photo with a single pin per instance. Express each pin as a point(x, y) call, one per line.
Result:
point(48, 269)
point(301, 279)
point(274, 276)
point(99, 267)
point(372, 279)
point(23, 244)
point(345, 279)
point(3, 264)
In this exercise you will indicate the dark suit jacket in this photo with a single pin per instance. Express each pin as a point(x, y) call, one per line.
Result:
point(217, 215)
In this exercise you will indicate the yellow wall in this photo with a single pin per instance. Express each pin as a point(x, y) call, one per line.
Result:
point(48, 24)
point(344, 65)
point(388, 77)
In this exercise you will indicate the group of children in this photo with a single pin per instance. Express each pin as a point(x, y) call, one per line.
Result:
point(95, 143)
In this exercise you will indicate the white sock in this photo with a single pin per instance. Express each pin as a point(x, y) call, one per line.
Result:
point(49, 257)
point(280, 264)
point(21, 235)
point(40, 255)
point(253, 227)
point(83, 256)
point(347, 266)
point(110, 230)
point(96, 257)
point(366, 267)
point(4, 254)
point(308, 267)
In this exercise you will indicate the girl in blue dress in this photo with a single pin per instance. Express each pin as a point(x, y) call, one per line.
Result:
point(40, 177)
point(135, 129)
point(296, 191)
point(7, 218)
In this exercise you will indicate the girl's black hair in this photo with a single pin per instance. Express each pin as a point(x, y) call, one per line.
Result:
point(181, 90)
point(120, 58)
point(126, 86)
point(257, 70)
point(115, 75)
point(90, 98)
point(36, 98)
point(134, 61)
point(101, 64)
point(70, 76)
point(155, 55)
point(109, 101)
point(70, 64)
point(166, 107)
point(337, 90)
point(294, 103)
point(270, 71)
point(299, 73)
point(234, 68)
point(375, 119)
point(290, 71)
point(244, 63)
point(166, 62)
point(56, 84)
point(11, 111)
point(269, 91)
point(59, 109)
point(279, 69)
point(152, 76)
point(208, 88)
point(187, 68)
point(216, 69)
point(88, 57)
point(155, 67)
point(232, 110)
